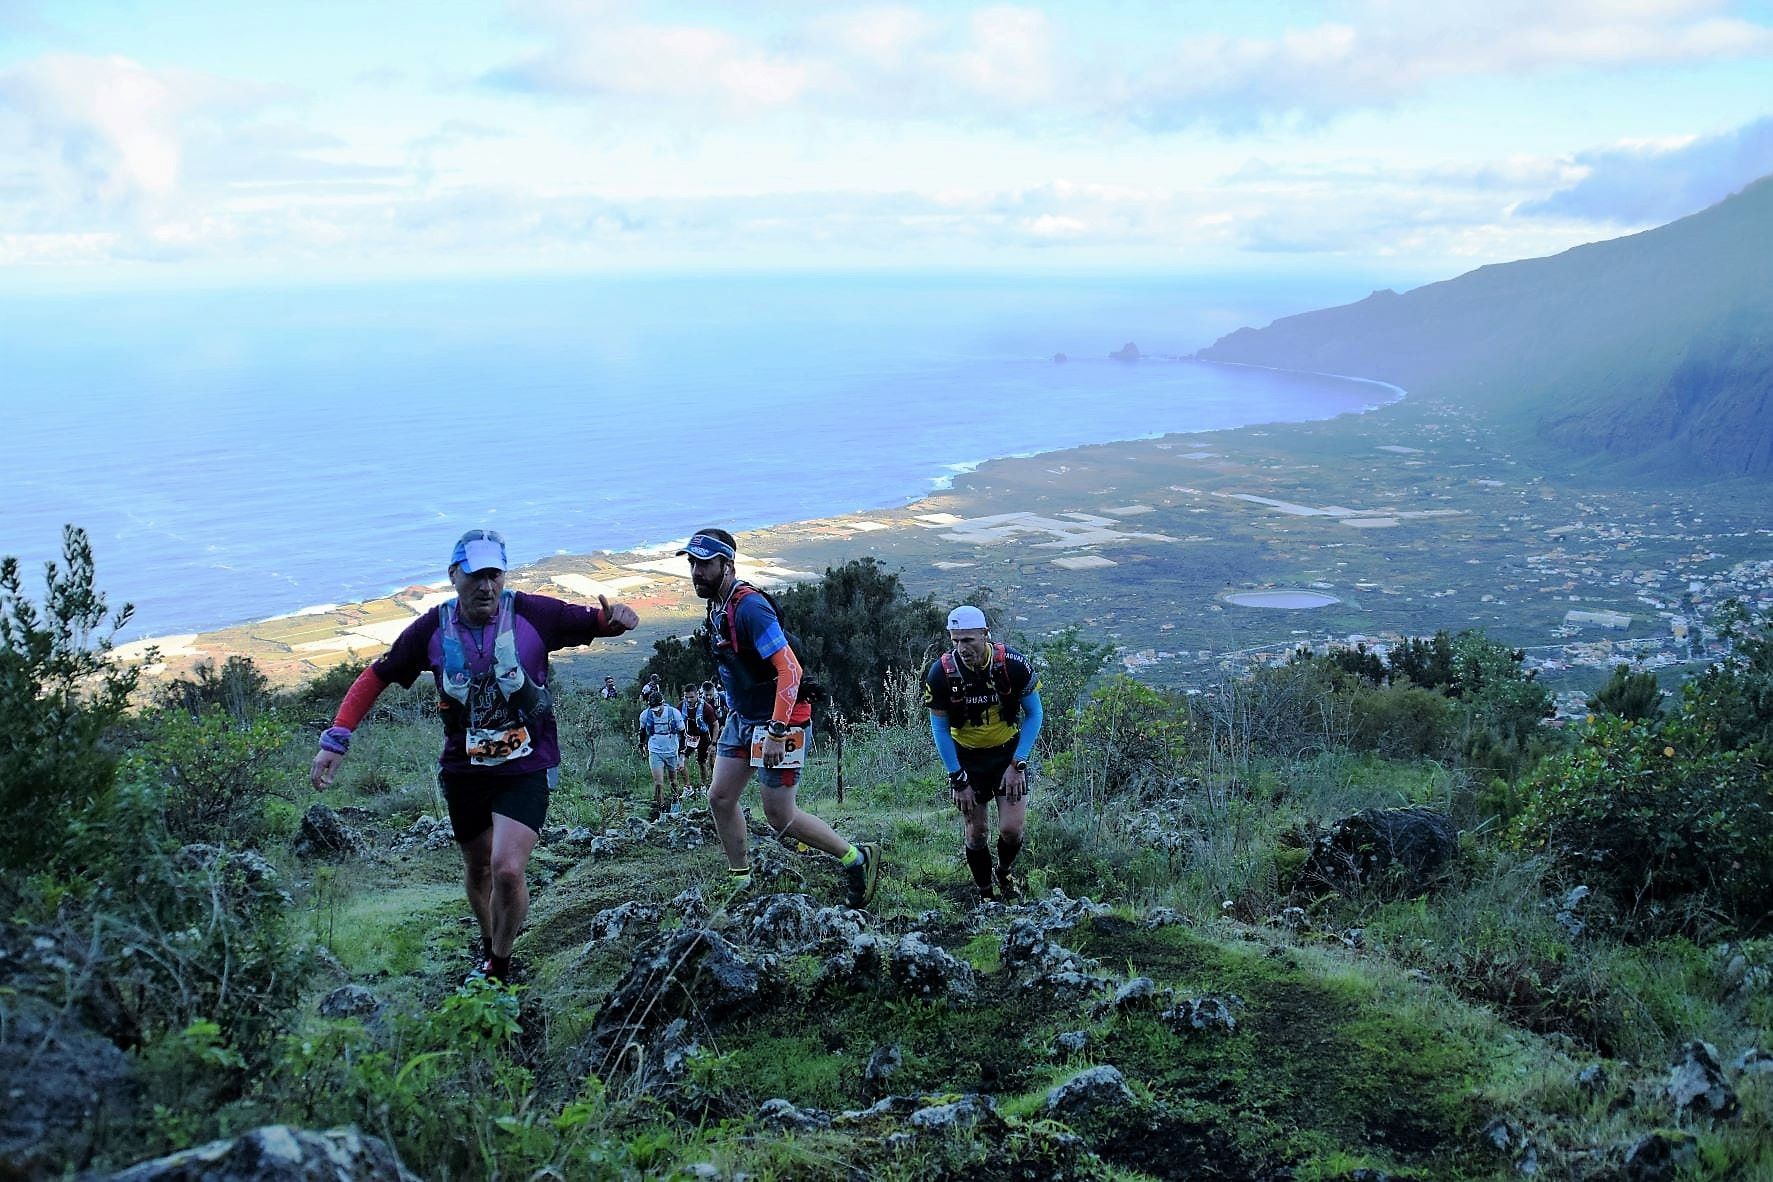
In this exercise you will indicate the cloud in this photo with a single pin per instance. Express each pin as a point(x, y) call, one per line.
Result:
point(1655, 183)
point(110, 132)
point(1380, 52)
point(1018, 64)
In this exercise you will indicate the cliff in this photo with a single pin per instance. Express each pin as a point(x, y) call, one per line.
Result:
point(1656, 348)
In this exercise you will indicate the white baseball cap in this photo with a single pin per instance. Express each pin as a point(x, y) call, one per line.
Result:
point(966, 616)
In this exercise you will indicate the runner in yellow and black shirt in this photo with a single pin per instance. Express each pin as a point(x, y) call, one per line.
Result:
point(985, 714)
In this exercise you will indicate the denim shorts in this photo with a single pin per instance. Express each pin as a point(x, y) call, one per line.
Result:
point(735, 743)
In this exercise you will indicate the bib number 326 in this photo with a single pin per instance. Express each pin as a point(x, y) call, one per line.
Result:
point(487, 748)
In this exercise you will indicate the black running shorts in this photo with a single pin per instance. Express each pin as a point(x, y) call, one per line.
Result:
point(985, 768)
point(474, 798)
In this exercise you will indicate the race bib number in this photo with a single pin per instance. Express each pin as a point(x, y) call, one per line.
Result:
point(489, 747)
point(793, 748)
point(692, 741)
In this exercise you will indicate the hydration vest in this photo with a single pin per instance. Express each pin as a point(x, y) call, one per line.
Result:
point(527, 698)
point(751, 666)
point(1008, 701)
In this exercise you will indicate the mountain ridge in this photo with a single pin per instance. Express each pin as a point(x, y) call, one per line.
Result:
point(1651, 349)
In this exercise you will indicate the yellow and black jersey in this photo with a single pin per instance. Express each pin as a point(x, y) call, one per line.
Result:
point(984, 705)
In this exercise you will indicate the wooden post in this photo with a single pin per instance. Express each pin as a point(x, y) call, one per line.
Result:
point(837, 729)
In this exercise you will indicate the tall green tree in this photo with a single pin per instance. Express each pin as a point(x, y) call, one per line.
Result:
point(61, 697)
point(1629, 695)
point(857, 625)
point(1427, 663)
point(1735, 695)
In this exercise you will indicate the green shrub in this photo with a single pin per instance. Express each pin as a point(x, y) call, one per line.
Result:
point(1129, 736)
point(328, 689)
point(1402, 721)
point(215, 773)
point(1677, 833)
point(856, 625)
point(61, 698)
point(238, 688)
point(1066, 665)
point(1629, 695)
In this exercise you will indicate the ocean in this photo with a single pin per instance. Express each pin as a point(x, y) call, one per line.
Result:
point(246, 453)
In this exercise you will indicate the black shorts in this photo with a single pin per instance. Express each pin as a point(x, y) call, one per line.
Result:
point(985, 768)
point(475, 796)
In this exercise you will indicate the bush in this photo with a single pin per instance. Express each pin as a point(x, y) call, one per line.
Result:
point(61, 698)
point(1676, 832)
point(855, 627)
point(216, 774)
point(1402, 721)
point(328, 689)
point(1735, 696)
point(1130, 735)
point(679, 663)
point(1067, 666)
point(1289, 710)
point(238, 687)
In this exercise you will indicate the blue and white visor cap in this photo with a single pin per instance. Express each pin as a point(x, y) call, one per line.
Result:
point(478, 550)
point(704, 547)
point(964, 617)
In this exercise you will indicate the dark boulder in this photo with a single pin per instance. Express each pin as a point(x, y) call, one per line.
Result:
point(922, 969)
point(1660, 1156)
point(62, 1082)
point(1697, 1085)
point(277, 1153)
point(349, 1001)
point(1091, 1095)
point(324, 834)
point(691, 974)
point(1407, 850)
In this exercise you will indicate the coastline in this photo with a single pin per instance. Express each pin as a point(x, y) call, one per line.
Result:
point(1412, 517)
point(297, 645)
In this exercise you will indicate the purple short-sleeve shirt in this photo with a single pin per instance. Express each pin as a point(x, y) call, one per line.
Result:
point(540, 626)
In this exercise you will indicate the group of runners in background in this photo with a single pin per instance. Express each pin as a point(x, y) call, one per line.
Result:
point(487, 650)
point(679, 740)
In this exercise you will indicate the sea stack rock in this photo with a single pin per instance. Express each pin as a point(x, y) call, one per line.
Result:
point(1127, 352)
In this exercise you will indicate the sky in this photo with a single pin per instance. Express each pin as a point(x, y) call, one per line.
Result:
point(162, 142)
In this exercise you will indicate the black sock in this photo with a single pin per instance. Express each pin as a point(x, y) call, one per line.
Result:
point(979, 862)
point(498, 968)
point(1007, 849)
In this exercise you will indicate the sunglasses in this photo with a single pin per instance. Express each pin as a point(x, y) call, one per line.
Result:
point(481, 535)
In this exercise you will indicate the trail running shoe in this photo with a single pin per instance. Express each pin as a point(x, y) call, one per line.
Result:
point(1007, 888)
point(864, 877)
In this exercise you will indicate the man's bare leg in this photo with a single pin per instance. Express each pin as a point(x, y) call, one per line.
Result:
point(788, 820)
point(731, 774)
point(477, 861)
point(512, 844)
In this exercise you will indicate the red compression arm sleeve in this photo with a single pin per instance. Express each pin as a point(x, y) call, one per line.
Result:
point(787, 683)
point(359, 698)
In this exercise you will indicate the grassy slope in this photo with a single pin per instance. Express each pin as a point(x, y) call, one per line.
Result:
point(1345, 1056)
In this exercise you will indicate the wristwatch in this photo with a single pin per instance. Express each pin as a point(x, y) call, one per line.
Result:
point(1021, 765)
point(777, 730)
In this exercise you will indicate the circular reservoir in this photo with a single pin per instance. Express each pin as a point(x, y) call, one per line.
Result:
point(1284, 598)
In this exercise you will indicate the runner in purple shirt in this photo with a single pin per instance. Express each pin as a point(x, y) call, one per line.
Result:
point(487, 651)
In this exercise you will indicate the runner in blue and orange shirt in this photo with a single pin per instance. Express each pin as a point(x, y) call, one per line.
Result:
point(762, 678)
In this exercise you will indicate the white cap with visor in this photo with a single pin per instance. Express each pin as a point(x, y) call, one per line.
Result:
point(964, 617)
